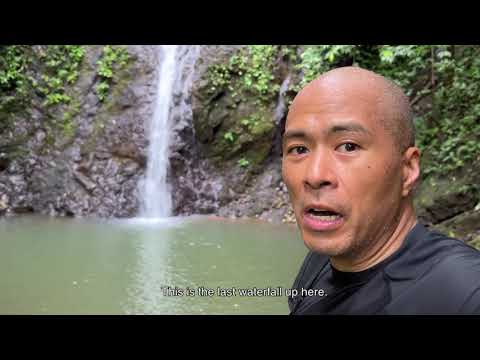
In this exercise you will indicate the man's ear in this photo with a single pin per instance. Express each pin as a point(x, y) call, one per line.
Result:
point(410, 169)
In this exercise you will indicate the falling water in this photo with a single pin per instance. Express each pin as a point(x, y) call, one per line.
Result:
point(281, 107)
point(155, 190)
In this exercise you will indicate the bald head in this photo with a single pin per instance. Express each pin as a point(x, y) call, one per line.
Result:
point(386, 101)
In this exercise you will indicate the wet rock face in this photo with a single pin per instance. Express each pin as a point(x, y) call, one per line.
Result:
point(228, 126)
point(196, 183)
point(451, 204)
point(440, 199)
point(96, 170)
point(205, 170)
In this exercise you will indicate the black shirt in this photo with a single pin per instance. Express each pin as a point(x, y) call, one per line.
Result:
point(429, 274)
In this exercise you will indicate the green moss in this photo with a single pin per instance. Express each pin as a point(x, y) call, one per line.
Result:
point(16, 149)
point(30, 71)
point(257, 123)
point(120, 80)
point(14, 77)
point(444, 186)
point(258, 153)
point(245, 139)
point(68, 125)
point(112, 61)
point(475, 242)
point(249, 74)
point(60, 70)
point(239, 99)
point(261, 124)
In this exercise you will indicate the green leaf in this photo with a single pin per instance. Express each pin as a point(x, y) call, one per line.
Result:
point(386, 55)
point(229, 136)
point(243, 162)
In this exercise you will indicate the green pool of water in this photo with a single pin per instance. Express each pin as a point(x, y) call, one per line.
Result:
point(142, 266)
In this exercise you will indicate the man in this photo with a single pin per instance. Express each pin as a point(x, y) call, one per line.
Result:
point(350, 165)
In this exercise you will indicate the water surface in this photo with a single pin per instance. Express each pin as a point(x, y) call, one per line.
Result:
point(79, 266)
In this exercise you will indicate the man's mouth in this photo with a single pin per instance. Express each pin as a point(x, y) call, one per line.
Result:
point(324, 215)
point(322, 218)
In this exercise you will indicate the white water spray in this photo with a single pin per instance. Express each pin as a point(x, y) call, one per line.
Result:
point(155, 190)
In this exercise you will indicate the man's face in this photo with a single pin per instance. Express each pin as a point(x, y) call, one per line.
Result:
point(342, 169)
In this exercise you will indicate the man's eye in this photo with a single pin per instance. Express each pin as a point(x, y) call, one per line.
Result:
point(298, 150)
point(348, 147)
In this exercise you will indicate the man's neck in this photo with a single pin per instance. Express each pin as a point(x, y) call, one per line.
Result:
point(376, 254)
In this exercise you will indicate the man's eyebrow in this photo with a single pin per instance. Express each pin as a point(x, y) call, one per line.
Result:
point(348, 127)
point(294, 134)
point(340, 127)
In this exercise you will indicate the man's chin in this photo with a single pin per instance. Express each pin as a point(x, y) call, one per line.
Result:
point(326, 245)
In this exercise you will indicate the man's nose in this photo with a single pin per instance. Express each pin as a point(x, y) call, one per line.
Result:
point(320, 171)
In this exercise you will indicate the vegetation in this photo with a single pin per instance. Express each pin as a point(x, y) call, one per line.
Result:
point(248, 74)
point(446, 76)
point(243, 162)
point(113, 59)
point(13, 77)
point(58, 65)
point(49, 73)
point(40, 72)
point(442, 82)
point(229, 136)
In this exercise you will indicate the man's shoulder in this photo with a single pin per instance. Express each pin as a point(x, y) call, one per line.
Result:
point(451, 253)
point(453, 258)
point(447, 276)
point(459, 267)
point(311, 266)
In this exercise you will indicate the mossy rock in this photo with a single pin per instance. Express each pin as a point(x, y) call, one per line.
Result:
point(110, 107)
point(442, 198)
point(461, 226)
point(233, 138)
point(475, 242)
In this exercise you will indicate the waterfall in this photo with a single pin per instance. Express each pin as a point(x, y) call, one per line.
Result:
point(281, 107)
point(155, 191)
